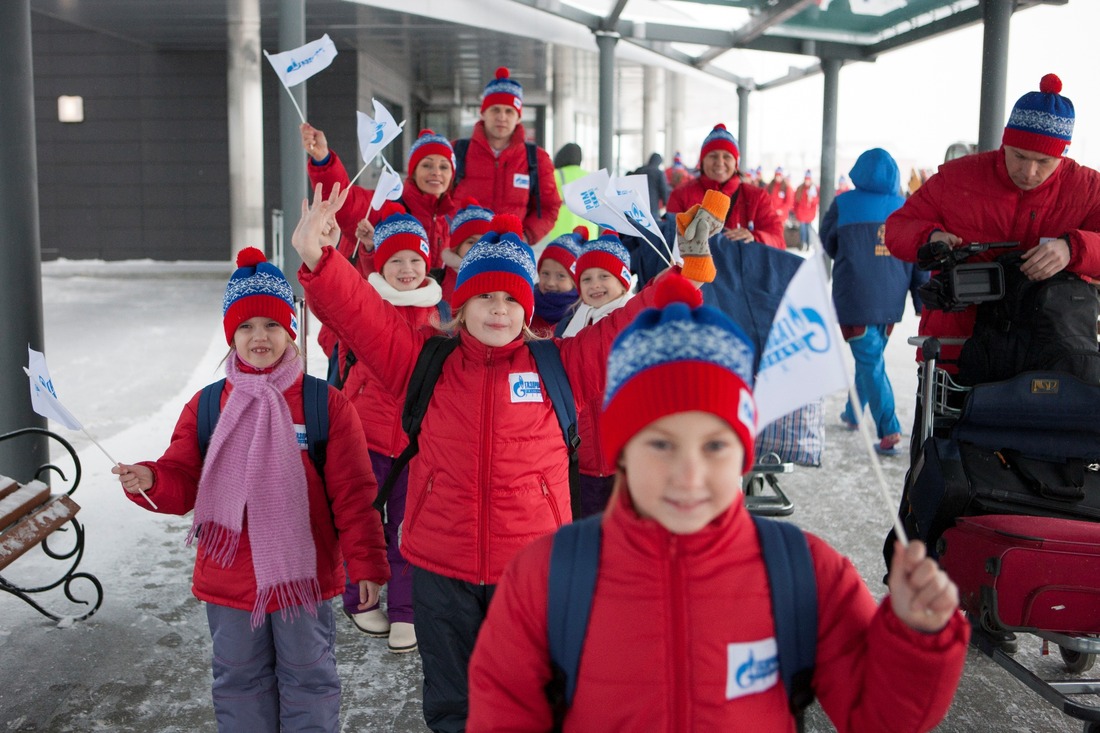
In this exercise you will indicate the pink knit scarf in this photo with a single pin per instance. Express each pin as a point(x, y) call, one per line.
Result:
point(254, 465)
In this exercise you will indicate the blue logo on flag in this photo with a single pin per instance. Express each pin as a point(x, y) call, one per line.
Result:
point(379, 130)
point(800, 331)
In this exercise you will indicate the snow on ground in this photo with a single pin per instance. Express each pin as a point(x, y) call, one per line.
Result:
point(128, 344)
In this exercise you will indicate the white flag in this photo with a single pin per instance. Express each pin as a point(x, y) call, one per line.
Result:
point(43, 397)
point(629, 195)
point(377, 132)
point(802, 359)
point(389, 186)
point(294, 67)
point(586, 197)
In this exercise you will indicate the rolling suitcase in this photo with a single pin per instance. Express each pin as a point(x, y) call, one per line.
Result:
point(1021, 573)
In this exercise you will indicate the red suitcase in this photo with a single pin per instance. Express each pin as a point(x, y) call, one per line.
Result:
point(1022, 573)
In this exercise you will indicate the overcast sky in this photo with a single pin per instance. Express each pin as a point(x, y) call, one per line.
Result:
point(916, 101)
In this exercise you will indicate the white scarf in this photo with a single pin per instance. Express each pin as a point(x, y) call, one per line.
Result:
point(586, 314)
point(428, 294)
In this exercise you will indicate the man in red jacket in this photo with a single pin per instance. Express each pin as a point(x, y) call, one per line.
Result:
point(495, 163)
point(1025, 192)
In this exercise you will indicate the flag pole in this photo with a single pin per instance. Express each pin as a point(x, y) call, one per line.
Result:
point(356, 178)
point(116, 463)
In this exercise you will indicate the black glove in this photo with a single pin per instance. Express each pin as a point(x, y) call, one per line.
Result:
point(933, 255)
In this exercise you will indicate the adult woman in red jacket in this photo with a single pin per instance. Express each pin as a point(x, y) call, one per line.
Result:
point(681, 635)
point(492, 471)
point(751, 216)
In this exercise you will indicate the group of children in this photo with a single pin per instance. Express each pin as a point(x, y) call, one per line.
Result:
point(663, 391)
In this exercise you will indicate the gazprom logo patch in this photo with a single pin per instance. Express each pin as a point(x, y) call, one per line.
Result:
point(746, 410)
point(425, 250)
point(798, 331)
point(751, 667)
point(521, 180)
point(294, 323)
point(300, 435)
point(525, 387)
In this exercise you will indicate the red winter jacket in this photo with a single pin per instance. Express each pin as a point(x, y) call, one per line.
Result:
point(492, 472)
point(805, 203)
point(782, 197)
point(431, 211)
point(750, 207)
point(501, 183)
point(669, 634)
point(345, 525)
point(379, 409)
point(974, 198)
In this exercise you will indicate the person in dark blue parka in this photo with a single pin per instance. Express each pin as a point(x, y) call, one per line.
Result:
point(869, 285)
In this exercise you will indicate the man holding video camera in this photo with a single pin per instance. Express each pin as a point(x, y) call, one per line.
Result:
point(1025, 192)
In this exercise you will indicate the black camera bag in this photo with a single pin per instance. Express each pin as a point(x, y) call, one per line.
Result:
point(1047, 325)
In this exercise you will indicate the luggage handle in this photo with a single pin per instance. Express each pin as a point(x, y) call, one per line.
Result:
point(1045, 478)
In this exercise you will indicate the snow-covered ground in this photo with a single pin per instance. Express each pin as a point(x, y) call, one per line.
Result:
point(127, 345)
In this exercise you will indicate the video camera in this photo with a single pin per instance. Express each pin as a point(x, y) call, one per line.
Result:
point(960, 284)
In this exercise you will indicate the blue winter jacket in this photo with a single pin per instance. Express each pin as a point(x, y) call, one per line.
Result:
point(869, 283)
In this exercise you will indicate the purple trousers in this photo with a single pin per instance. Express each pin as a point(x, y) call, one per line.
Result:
point(399, 591)
point(281, 676)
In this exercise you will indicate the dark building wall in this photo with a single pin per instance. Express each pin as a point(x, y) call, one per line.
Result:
point(146, 174)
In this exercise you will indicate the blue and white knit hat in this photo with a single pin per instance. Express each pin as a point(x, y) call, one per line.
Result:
point(1041, 121)
point(609, 253)
point(565, 250)
point(500, 260)
point(503, 90)
point(430, 143)
point(681, 356)
point(257, 288)
point(719, 139)
point(472, 220)
point(397, 231)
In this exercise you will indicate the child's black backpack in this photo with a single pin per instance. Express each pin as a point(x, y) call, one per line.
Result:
point(429, 365)
point(1047, 325)
point(574, 567)
point(314, 402)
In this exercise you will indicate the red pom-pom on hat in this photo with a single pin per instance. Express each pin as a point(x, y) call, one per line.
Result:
point(507, 224)
point(389, 208)
point(250, 257)
point(720, 126)
point(674, 288)
point(469, 201)
point(582, 232)
point(1050, 84)
point(502, 72)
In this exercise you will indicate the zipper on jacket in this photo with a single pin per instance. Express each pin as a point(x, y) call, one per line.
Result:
point(423, 501)
point(677, 661)
point(485, 457)
point(550, 501)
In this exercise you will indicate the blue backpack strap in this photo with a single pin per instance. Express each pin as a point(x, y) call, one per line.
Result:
point(556, 381)
point(210, 408)
point(793, 585)
point(460, 147)
point(533, 178)
point(315, 404)
point(574, 564)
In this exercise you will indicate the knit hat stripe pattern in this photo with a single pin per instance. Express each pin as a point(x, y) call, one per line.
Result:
point(497, 262)
point(607, 253)
point(430, 143)
point(470, 221)
point(720, 139)
point(257, 288)
point(398, 232)
point(503, 90)
point(681, 339)
point(564, 250)
point(1041, 121)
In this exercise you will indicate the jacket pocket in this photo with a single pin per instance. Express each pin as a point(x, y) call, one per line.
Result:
point(420, 504)
point(549, 497)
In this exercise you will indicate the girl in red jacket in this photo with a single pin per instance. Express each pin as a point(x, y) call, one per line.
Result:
point(681, 634)
point(401, 278)
point(272, 533)
point(604, 273)
point(556, 292)
point(469, 223)
point(492, 471)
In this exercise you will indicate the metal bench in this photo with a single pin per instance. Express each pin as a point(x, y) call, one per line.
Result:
point(30, 514)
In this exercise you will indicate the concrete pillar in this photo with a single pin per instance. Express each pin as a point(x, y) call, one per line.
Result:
point(292, 161)
point(20, 245)
point(743, 126)
point(245, 108)
point(996, 17)
point(831, 70)
point(674, 116)
point(606, 41)
point(563, 99)
point(650, 112)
